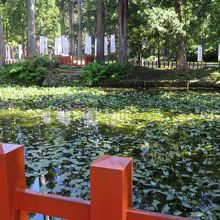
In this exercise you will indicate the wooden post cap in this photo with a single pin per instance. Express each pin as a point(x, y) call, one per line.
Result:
point(7, 148)
point(109, 162)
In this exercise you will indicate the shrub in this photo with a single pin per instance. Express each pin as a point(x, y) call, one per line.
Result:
point(152, 58)
point(44, 62)
point(33, 71)
point(91, 73)
point(38, 75)
point(95, 72)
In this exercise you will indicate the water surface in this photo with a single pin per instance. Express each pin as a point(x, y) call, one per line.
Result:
point(173, 138)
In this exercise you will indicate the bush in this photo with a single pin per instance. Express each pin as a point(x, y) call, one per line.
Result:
point(95, 72)
point(44, 62)
point(208, 56)
point(152, 58)
point(32, 71)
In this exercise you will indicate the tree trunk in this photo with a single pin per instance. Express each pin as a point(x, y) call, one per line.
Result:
point(62, 18)
point(79, 27)
point(158, 50)
point(71, 26)
point(100, 31)
point(2, 45)
point(123, 9)
point(31, 29)
point(182, 64)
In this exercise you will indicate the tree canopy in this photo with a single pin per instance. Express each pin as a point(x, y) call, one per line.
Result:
point(152, 26)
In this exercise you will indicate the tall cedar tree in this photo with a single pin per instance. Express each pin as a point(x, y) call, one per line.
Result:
point(100, 31)
point(31, 43)
point(80, 27)
point(182, 65)
point(2, 46)
point(71, 27)
point(123, 10)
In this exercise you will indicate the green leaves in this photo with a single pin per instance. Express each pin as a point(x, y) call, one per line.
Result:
point(94, 72)
point(31, 71)
point(164, 20)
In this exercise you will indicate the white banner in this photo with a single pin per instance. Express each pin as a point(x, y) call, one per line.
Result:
point(58, 46)
point(45, 45)
point(88, 45)
point(144, 44)
point(95, 47)
point(8, 52)
point(113, 48)
point(42, 45)
point(65, 46)
point(106, 46)
point(200, 53)
point(219, 52)
point(20, 51)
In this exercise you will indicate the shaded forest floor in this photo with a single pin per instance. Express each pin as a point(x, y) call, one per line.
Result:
point(144, 78)
point(132, 77)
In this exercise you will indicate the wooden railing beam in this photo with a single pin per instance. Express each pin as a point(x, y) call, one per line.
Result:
point(53, 205)
point(134, 214)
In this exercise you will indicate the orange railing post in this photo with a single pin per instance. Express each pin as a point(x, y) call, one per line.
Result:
point(111, 188)
point(12, 178)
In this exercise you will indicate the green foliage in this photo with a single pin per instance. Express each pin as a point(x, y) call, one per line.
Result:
point(164, 20)
point(152, 58)
point(95, 72)
point(33, 71)
point(206, 75)
point(200, 22)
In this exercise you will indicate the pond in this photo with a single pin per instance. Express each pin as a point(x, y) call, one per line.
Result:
point(174, 139)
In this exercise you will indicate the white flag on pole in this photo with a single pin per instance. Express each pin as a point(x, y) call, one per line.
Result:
point(219, 52)
point(46, 45)
point(113, 48)
point(58, 46)
point(65, 46)
point(42, 39)
point(106, 46)
point(200, 53)
point(88, 45)
point(20, 51)
point(8, 52)
point(95, 47)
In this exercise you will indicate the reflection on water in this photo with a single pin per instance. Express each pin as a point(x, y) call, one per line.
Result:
point(60, 145)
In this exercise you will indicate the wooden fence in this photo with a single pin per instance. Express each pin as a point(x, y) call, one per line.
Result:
point(111, 192)
point(169, 65)
point(85, 60)
point(10, 61)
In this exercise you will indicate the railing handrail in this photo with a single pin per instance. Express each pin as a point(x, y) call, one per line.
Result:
point(111, 192)
point(43, 203)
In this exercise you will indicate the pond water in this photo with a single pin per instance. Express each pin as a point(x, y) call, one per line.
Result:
point(174, 139)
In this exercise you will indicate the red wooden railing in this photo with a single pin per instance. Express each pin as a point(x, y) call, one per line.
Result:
point(111, 192)
point(75, 60)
